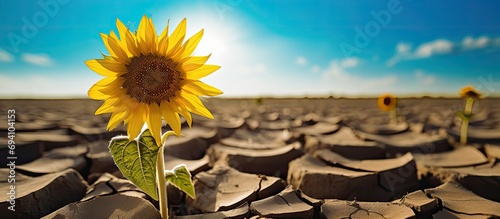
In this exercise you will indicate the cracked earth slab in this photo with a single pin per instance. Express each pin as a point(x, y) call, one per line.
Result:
point(361, 210)
point(58, 160)
point(480, 179)
point(187, 148)
point(319, 128)
point(422, 205)
point(319, 180)
point(383, 129)
point(270, 162)
point(478, 135)
point(236, 213)
point(289, 203)
point(377, 165)
point(456, 198)
point(492, 151)
point(113, 206)
point(410, 141)
point(346, 143)
point(224, 188)
point(38, 196)
point(49, 139)
point(460, 157)
point(257, 139)
point(30, 150)
point(108, 184)
point(100, 159)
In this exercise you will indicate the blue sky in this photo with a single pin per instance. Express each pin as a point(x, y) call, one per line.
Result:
point(272, 48)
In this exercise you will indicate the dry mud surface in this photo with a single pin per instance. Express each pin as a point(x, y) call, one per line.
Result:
point(278, 158)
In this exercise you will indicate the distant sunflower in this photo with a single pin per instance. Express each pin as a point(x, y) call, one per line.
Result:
point(150, 77)
point(469, 91)
point(386, 102)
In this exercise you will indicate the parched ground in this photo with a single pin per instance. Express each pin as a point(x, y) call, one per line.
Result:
point(266, 158)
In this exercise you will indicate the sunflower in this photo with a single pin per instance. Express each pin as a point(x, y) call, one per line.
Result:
point(386, 102)
point(148, 78)
point(469, 91)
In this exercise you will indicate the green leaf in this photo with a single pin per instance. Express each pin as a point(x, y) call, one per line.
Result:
point(137, 160)
point(180, 177)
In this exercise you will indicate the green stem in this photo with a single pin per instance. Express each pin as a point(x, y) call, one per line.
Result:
point(393, 115)
point(463, 131)
point(465, 121)
point(468, 106)
point(162, 183)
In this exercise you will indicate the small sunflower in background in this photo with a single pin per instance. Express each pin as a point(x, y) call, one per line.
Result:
point(470, 94)
point(388, 103)
point(149, 77)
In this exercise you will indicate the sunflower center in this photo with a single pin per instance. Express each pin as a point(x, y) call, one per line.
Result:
point(151, 78)
point(387, 101)
point(471, 94)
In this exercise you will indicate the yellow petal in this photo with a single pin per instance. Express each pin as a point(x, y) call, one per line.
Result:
point(114, 88)
point(171, 117)
point(177, 54)
point(115, 119)
point(120, 54)
point(128, 101)
point(162, 46)
point(141, 36)
point(193, 104)
point(95, 93)
point(136, 121)
point(191, 44)
point(163, 41)
point(106, 67)
point(106, 81)
point(151, 36)
point(122, 29)
point(177, 36)
point(193, 62)
point(183, 111)
point(104, 38)
point(113, 35)
point(199, 88)
point(201, 72)
point(174, 50)
point(108, 106)
point(154, 122)
point(164, 33)
point(131, 44)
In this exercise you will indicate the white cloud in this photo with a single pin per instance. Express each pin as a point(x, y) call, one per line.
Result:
point(471, 43)
point(349, 62)
point(429, 49)
point(342, 80)
point(441, 47)
point(423, 78)
point(301, 60)
point(5, 56)
point(403, 48)
point(37, 59)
